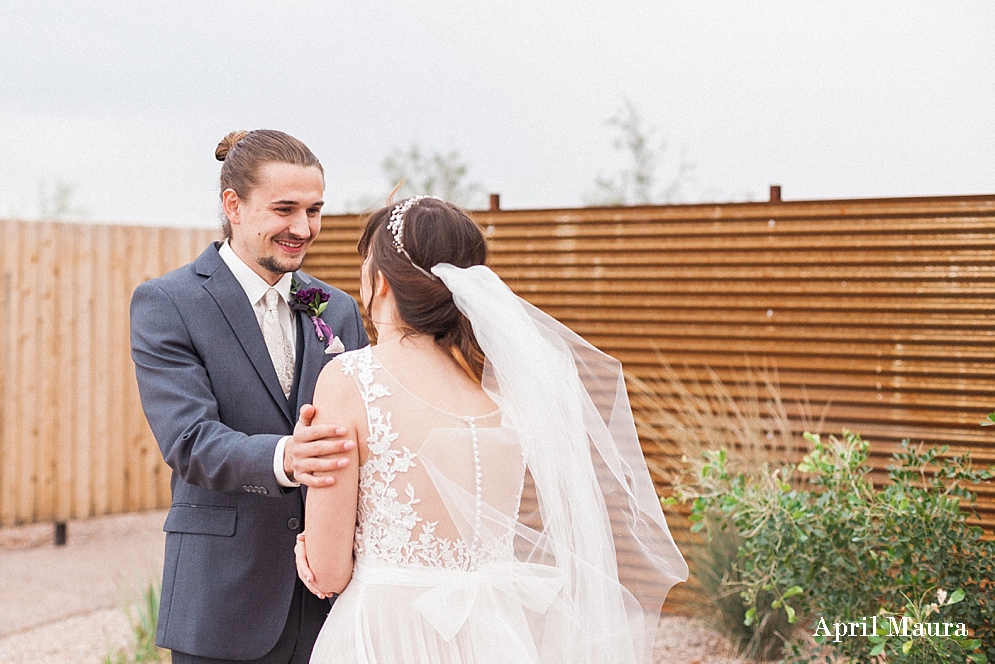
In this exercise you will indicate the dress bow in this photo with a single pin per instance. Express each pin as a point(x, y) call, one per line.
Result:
point(449, 604)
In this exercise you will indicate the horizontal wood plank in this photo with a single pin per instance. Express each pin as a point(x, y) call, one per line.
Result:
point(876, 316)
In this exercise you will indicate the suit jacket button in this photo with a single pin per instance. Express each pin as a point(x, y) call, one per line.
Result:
point(294, 523)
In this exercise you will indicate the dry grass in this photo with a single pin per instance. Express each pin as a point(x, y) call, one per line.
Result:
point(680, 416)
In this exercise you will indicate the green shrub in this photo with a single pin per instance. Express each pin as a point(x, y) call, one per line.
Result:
point(144, 617)
point(719, 582)
point(843, 551)
point(679, 419)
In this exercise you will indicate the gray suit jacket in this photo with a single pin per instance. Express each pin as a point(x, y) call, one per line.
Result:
point(215, 405)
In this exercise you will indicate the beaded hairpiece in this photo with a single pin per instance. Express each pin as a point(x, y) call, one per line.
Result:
point(396, 226)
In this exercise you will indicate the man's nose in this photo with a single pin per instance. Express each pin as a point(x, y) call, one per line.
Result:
point(299, 225)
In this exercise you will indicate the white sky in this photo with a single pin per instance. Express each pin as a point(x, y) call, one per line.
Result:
point(830, 99)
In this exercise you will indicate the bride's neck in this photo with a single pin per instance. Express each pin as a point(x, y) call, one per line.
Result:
point(387, 334)
point(391, 329)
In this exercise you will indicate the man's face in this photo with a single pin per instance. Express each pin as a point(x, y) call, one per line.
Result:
point(275, 225)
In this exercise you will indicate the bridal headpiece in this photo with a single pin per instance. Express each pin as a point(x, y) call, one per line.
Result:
point(396, 226)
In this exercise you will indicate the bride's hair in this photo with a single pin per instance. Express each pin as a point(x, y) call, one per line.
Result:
point(435, 231)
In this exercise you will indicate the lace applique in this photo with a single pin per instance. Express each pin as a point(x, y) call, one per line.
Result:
point(386, 522)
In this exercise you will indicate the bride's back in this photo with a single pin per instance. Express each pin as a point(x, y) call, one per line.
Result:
point(441, 479)
point(444, 570)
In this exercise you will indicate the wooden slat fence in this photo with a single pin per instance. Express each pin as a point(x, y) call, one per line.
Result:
point(73, 439)
point(881, 312)
point(878, 313)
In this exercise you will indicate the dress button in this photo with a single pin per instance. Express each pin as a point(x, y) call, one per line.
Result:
point(294, 524)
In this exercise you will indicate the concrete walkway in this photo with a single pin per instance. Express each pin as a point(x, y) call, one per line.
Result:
point(105, 564)
point(66, 604)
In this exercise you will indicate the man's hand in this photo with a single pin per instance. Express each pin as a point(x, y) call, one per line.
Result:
point(315, 452)
point(303, 569)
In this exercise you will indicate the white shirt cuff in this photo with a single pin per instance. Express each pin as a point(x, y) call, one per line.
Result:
point(281, 477)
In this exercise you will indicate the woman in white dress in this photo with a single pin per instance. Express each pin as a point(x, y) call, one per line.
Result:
point(498, 507)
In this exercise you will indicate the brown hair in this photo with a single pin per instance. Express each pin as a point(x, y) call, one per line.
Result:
point(434, 232)
point(245, 152)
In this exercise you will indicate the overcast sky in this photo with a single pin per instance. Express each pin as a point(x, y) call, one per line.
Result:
point(830, 99)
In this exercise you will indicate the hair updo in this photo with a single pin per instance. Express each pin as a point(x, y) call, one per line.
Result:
point(435, 232)
point(243, 153)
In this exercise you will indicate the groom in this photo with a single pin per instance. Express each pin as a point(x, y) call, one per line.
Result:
point(227, 349)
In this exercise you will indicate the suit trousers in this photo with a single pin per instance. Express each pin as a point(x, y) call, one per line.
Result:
point(307, 615)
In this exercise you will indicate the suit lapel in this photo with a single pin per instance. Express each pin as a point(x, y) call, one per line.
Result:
point(231, 299)
point(314, 352)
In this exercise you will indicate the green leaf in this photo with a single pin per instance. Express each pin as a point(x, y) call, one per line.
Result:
point(792, 591)
point(956, 596)
point(989, 421)
point(751, 615)
point(877, 650)
point(907, 646)
point(668, 501)
point(791, 613)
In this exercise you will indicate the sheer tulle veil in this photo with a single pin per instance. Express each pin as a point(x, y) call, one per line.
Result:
point(598, 528)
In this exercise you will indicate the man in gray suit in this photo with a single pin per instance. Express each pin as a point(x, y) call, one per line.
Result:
point(227, 349)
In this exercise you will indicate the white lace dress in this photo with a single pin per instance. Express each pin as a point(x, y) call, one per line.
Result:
point(436, 577)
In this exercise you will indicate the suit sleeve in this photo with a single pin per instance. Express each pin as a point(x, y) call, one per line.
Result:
point(181, 408)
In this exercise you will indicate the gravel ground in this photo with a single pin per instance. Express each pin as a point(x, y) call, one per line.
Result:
point(81, 639)
point(62, 605)
point(89, 638)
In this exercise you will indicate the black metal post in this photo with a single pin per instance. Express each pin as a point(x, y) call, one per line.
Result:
point(60, 533)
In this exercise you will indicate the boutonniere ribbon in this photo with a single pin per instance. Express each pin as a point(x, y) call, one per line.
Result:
point(312, 301)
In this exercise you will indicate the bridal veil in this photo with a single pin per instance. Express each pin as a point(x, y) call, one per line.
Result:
point(595, 552)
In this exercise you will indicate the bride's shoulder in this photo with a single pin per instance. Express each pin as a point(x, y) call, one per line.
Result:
point(352, 358)
point(337, 379)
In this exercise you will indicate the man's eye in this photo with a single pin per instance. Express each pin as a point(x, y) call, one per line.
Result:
point(313, 211)
point(283, 210)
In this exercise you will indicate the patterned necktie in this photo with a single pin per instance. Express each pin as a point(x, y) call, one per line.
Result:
point(277, 342)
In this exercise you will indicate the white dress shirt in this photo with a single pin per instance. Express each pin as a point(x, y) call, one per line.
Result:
point(255, 288)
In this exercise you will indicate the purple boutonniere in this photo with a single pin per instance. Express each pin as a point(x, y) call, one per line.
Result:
point(313, 301)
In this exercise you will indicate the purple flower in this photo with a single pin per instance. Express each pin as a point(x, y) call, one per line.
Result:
point(321, 328)
point(309, 299)
point(313, 302)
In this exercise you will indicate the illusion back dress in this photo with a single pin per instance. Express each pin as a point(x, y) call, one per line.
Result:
point(532, 533)
point(435, 576)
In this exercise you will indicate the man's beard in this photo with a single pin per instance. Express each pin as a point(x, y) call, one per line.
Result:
point(273, 265)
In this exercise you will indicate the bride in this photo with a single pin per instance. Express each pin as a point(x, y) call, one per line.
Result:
point(498, 507)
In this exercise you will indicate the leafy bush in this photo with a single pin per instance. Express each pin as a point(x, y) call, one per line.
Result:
point(844, 551)
point(144, 617)
point(719, 582)
point(679, 419)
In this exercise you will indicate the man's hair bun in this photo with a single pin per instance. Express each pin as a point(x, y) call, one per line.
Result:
point(227, 143)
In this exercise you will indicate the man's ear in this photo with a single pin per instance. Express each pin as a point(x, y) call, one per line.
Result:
point(231, 204)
